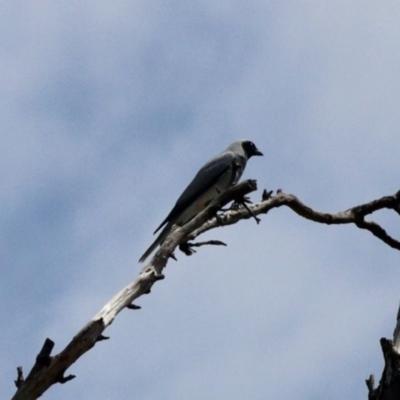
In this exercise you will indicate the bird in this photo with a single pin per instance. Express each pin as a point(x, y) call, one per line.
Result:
point(215, 177)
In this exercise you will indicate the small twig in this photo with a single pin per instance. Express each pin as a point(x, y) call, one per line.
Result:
point(65, 379)
point(42, 359)
point(379, 232)
point(187, 247)
point(102, 337)
point(208, 242)
point(396, 333)
point(372, 393)
point(266, 195)
point(20, 377)
point(133, 307)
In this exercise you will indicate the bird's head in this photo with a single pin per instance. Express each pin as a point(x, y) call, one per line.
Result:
point(250, 149)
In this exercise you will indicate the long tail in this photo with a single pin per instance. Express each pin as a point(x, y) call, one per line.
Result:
point(160, 238)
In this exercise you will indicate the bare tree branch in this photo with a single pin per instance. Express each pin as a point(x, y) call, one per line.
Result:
point(389, 385)
point(353, 215)
point(20, 377)
point(49, 370)
point(396, 333)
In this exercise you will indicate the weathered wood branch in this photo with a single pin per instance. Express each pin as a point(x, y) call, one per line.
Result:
point(49, 370)
point(389, 385)
point(355, 215)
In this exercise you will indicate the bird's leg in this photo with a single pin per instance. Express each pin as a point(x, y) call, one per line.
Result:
point(250, 211)
point(242, 202)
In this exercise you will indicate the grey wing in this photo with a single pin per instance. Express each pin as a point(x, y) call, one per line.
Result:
point(208, 176)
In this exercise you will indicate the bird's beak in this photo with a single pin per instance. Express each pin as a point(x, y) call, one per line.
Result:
point(258, 153)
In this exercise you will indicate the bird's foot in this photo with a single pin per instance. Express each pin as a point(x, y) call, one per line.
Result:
point(242, 203)
point(239, 203)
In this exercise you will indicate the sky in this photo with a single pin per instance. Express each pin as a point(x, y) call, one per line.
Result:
point(108, 109)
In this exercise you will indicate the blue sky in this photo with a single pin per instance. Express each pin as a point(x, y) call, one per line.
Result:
point(108, 109)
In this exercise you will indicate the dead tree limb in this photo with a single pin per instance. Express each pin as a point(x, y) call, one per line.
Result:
point(389, 385)
point(49, 370)
point(355, 215)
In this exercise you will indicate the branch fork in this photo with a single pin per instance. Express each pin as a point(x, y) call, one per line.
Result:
point(49, 370)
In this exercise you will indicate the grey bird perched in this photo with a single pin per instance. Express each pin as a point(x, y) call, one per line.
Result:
point(216, 176)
